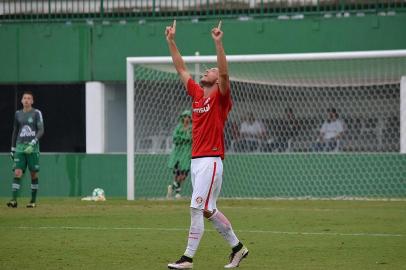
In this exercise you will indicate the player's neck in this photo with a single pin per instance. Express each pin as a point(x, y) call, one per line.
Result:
point(208, 90)
point(27, 109)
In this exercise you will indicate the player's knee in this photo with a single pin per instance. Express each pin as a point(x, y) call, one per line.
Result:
point(18, 173)
point(34, 175)
point(195, 213)
point(207, 213)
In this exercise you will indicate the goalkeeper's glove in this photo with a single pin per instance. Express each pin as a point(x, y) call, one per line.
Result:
point(30, 147)
point(12, 153)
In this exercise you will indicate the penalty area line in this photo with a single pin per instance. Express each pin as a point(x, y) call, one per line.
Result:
point(185, 230)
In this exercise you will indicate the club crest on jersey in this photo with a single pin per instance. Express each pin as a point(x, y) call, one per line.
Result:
point(30, 120)
point(202, 109)
point(27, 132)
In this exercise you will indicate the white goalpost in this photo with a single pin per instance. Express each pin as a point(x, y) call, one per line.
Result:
point(266, 85)
point(403, 115)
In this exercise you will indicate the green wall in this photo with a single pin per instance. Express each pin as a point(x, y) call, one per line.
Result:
point(71, 175)
point(72, 52)
point(265, 175)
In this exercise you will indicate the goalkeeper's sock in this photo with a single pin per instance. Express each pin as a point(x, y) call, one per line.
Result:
point(176, 186)
point(34, 189)
point(178, 189)
point(223, 226)
point(195, 232)
point(15, 188)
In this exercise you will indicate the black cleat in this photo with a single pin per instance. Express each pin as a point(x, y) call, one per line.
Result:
point(237, 257)
point(183, 263)
point(12, 204)
point(31, 205)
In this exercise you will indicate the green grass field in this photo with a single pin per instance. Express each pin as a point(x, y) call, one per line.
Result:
point(117, 234)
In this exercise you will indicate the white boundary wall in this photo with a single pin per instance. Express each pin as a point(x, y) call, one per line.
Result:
point(95, 117)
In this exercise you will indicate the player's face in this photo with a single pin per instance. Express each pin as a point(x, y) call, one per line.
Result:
point(187, 120)
point(210, 77)
point(27, 100)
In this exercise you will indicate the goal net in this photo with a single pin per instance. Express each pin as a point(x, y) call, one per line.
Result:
point(320, 125)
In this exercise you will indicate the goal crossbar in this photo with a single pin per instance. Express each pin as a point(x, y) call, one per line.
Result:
point(272, 57)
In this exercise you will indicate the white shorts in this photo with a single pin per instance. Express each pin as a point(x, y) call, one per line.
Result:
point(207, 177)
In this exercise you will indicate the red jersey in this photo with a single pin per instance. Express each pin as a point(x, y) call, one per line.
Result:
point(209, 116)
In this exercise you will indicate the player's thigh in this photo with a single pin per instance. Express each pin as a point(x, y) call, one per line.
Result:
point(216, 188)
point(33, 162)
point(182, 176)
point(192, 177)
point(20, 162)
point(205, 173)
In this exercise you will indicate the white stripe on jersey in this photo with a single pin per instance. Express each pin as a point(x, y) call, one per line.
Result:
point(40, 115)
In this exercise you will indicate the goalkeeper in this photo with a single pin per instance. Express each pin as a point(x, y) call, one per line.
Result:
point(179, 160)
point(28, 129)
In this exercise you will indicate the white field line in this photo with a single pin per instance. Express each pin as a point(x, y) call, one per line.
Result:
point(296, 209)
point(276, 208)
point(186, 230)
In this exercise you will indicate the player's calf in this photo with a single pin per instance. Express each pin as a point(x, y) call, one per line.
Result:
point(169, 192)
point(174, 188)
point(34, 190)
point(15, 187)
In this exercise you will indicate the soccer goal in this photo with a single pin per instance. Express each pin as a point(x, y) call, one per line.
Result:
point(312, 125)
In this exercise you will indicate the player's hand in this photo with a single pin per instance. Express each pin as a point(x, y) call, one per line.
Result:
point(12, 153)
point(216, 33)
point(30, 147)
point(170, 31)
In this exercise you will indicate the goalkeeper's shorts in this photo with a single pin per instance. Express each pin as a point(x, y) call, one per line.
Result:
point(178, 172)
point(22, 161)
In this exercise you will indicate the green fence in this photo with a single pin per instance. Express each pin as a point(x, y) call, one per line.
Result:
point(78, 52)
point(15, 10)
point(287, 176)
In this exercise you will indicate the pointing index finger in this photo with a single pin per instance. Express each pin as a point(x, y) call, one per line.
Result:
point(174, 24)
point(219, 25)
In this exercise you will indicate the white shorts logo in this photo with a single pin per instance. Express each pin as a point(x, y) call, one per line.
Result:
point(199, 200)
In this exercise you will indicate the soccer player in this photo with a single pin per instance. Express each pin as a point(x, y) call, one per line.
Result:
point(211, 105)
point(28, 129)
point(179, 160)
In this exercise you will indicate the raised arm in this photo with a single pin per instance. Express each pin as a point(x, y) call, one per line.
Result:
point(222, 66)
point(176, 57)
